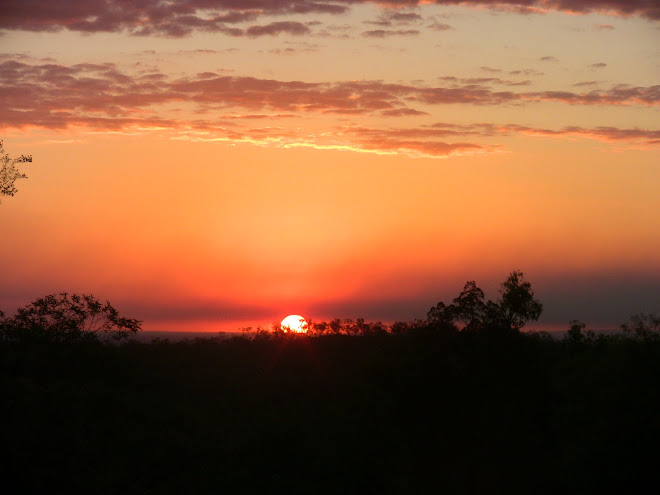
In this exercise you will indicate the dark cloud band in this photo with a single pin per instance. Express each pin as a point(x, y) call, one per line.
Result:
point(179, 18)
point(101, 97)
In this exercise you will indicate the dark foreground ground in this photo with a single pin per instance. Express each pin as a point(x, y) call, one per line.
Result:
point(407, 413)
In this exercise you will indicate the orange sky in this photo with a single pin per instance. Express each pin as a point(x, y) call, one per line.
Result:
point(335, 159)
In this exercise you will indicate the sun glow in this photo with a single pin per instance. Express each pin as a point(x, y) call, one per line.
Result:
point(294, 324)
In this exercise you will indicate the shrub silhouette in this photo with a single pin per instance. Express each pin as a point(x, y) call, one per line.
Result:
point(68, 318)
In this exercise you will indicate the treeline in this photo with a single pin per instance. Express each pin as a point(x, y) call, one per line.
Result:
point(467, 312)
point(453, 403)
point(84, 318)
point(465, 413)
point(470, 313)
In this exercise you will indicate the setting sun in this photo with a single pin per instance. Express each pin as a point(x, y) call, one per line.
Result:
point(294, 324)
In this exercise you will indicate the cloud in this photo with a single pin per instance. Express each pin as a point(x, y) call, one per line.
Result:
point(412, 143)
point(526, 72)
point(287, 51)
point(485, 80)
point(258, 116)
point(604, 27)
point(599, 65)
point(439, 26)
point(602, 133)
point(275, 28)
point(100, 97)
point(491, 69)
point(382, 33)
point(176, 19)
point(54, 91)
point(395, 18)
point(549, 58)
point(403, 112)
point(618, 95)
point(154, 17)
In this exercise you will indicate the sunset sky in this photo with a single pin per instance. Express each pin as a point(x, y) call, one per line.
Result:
point(210, 164)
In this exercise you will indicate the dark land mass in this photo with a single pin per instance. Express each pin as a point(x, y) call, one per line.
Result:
point(417, 412)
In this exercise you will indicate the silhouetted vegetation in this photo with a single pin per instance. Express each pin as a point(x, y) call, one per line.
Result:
point(461, 402)
point(64, 318)
point(9, 172)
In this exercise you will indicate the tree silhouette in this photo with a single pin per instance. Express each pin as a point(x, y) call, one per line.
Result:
point(517, 304)
point(9, 173)
point(440, 316)
point(515, 307)
point(64, 318)
point(643, 326)
point(576, 335)
point(469, 306)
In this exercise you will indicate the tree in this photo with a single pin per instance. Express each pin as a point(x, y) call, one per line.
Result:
point(494, 319)
point(643, 326)
point(441, 314)
point(439, 318)
point(335, 326)
point(517, 304)
point(575, 334)
point(469, 306)
point(9, 173)
point(64, 318)
point(317, 328)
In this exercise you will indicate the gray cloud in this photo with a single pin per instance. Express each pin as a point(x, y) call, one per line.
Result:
point(275, 28)
point(388, 33)
point(176, 19)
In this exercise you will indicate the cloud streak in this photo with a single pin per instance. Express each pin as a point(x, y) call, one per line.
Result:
point(275, 28)
point(56, 89)
point(217, 107)
point(176, 19)
point(600, 133)
point(388, 33)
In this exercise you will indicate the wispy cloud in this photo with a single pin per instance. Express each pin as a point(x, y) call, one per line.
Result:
point(484, 80)
point(395, 18)
point(219, 107)
point(388, 33)
point(601, 133)
point(275, 28)
point(54, 89)
point(155, 17)
point(440, 26)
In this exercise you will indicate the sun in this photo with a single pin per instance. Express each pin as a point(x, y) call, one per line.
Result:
point(294, 324)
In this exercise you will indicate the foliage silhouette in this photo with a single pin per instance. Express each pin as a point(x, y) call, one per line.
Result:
point(9, 173)
point(574, 335)
point(515, 307)
point(68, 318)
point(417, 411)
point(440, 316)
point(469, 306)
point(517, 303)
point(643, 326)
point(414, 407)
